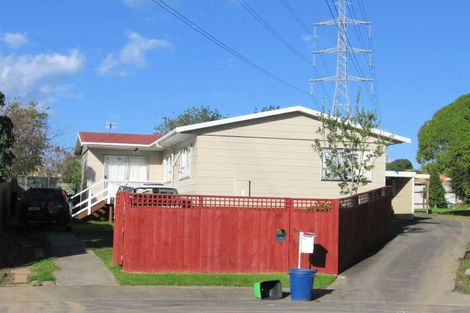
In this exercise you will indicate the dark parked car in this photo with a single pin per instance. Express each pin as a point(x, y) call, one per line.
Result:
point(148, 188)
point(167, 196)
point(46, 205)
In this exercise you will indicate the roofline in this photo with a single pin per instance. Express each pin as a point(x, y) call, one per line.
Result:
point(92, 143)
point(406, 174)
point(116, 144)
point(252, 116)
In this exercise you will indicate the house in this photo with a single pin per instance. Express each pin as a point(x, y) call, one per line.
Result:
point(261, 154)
point(409, 192)
point(451, 197)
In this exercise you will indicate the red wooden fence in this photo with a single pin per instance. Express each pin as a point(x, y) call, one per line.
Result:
point(365, 222)
point(216, 234)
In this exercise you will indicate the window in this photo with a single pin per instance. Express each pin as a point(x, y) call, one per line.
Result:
point(124, 168)
point(185, 163)
point(168, 169)
point(344, 159)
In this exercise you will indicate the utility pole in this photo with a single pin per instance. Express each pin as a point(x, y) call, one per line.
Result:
point(341, 104)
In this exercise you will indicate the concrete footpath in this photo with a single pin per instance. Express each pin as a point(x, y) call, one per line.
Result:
point(77, 265)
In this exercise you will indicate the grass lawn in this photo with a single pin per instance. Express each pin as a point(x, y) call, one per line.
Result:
point(462, 282)
point(447, 211)
point(99, 235)
point(42, 270)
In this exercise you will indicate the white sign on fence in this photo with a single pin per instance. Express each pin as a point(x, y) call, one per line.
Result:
point(306, 243)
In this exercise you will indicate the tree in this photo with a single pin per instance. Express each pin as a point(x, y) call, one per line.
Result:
point(191, 115)
point(348, 147)
point(268, 108)
point(7, 155)
point(444, 144)
point(436, 191)
point(31, 138)
point(400, 165)
point(71, 172)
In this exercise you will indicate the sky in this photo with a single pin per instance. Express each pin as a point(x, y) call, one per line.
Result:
point(131, 62)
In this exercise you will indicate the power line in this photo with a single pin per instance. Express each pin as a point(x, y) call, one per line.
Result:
point(371, 60)
point(227, 48)
point(265, 24)
point(302, 24)
point(281, 39)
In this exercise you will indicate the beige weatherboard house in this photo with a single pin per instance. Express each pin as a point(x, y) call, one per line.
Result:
point(261, 154)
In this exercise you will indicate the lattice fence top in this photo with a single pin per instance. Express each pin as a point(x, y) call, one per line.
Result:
point(229, 202)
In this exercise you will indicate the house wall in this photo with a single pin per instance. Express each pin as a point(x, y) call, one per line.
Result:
point(274, 155)
point(94, 171)
point(185, 185)
point(403, 192)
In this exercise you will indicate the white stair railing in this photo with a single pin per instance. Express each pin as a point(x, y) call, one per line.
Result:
point(91, 199)
point(108, 192)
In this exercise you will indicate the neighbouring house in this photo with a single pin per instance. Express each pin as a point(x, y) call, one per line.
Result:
point(261, 154)
point(451, 198)
point(409, 192)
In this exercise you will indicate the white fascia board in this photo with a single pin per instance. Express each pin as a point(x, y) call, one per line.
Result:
point(78, 145)
point(400, 174)
point(423, 176)
point(253, 116)
point(246, 117)
point(129, 146)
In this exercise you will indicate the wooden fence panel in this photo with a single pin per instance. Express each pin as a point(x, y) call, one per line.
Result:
point(324, 224)
point(214, 234)
point(363, 226)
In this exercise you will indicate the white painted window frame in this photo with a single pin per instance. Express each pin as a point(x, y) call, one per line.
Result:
point(168, 169)
point(185, 163)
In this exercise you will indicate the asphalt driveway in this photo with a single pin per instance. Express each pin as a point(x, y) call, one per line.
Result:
point(416, 267)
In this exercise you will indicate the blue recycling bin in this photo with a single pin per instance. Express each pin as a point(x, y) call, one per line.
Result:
point(301, 284)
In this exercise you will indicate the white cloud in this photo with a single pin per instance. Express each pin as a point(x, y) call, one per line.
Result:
point(132, 54)
point(14, 40)
point(20, 75)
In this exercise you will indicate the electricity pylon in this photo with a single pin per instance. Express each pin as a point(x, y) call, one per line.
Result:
point(341, 104)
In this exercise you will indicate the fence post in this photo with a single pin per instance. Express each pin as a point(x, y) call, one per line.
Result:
point(89, 202)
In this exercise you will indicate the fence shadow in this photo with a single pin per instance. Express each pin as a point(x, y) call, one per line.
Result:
point(22, 246)
point(318, 257)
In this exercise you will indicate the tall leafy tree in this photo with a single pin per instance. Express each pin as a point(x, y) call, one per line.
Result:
point(7, 155)
point(444, 144)
point(400, 165)
point(191, 115)
point(31, 136)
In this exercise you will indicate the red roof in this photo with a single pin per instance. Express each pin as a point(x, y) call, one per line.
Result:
point(114, 138)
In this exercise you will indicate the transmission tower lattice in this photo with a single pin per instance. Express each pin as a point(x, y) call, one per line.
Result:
point(341, 104)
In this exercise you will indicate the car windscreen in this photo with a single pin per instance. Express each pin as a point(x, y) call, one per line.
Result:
point(165, 191)
point(38, 196)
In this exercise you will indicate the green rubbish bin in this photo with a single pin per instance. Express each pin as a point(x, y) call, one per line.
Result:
point(268, 290)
